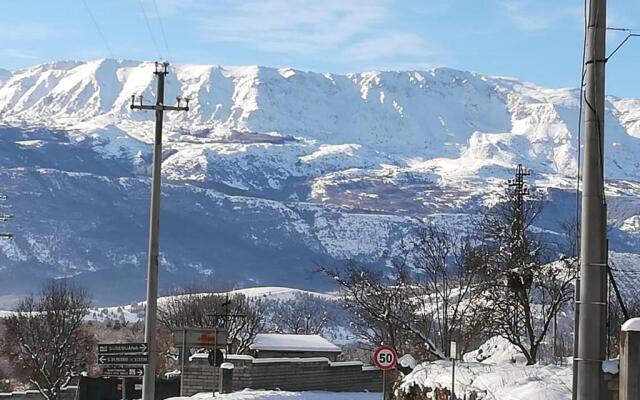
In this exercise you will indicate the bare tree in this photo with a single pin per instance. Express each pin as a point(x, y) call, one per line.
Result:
point(304, 314)
point(50, 340)
point(382, 308)
point(446, 283)
point(243, 316)
point(523, 292)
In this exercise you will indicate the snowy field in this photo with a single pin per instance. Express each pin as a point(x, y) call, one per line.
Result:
point(277, 395)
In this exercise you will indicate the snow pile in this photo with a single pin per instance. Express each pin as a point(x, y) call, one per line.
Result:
point(496, 350)
point(408, 361)
point(611, 366)
point(494, 381)
point(249, 394)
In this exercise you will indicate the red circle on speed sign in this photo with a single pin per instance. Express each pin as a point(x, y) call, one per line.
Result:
point(385, 357)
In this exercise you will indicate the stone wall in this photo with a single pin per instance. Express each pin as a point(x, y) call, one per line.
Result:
point(291, 374)
point(68, 393)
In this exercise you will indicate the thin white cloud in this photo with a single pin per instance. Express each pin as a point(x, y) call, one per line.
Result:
point(294, 26)
point(387, 46)
point(530, 15)
point(349, 29)
point(27, 32)
point(17, 54)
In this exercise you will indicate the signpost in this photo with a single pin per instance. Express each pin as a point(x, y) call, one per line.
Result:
point(120, 355)
point(135, 372)
point(185, 338)
point(453, 352)
point(123, 359)
point(122, 348)
point(385, 358)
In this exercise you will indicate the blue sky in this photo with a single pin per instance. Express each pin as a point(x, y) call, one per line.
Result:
point(535, 40)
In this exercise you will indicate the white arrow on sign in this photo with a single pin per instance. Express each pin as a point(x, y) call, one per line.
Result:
point(122, 348)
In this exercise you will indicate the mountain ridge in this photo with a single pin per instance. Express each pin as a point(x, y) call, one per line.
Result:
point(276, 169)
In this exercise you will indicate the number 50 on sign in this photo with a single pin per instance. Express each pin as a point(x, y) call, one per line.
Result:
point(385, 357)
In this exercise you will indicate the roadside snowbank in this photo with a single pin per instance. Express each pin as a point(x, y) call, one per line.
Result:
point(249, 394)
point(495, 381)
point(496, 350)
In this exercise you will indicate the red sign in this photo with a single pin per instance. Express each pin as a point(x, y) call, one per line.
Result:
point(199, 337)
point(207, 340)
point(385, 357)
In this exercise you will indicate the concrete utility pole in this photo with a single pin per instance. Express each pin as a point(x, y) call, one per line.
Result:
point(593, 255)
point(149, 379)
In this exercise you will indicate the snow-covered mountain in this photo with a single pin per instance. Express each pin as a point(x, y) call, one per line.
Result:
point(275, 170)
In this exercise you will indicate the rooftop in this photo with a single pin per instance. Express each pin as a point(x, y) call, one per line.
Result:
point(283, 342)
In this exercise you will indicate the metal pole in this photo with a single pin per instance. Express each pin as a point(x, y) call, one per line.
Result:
point(593, 260)
point(453, 378)
point(124, 388)
point(215, 357)
point(182, 361)
point(148, 386)
point(555, 337)
point(384, 385)
point(574, 392)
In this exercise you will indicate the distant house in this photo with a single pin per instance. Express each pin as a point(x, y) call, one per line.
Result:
point(293, 346)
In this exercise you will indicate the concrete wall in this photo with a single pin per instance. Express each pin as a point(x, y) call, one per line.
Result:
point(291, 374)
point(612, 383)
point(68, 393)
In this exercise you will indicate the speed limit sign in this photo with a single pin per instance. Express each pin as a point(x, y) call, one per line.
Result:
point(385, 357)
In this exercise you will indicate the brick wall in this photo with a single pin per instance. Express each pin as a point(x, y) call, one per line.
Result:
point(68, 393)
point(291, 374)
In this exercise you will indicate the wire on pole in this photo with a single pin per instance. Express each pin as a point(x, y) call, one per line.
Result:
point(100, 33)
point(164, 36)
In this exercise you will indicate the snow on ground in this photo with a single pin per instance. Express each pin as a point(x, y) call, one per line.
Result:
point(279, 293)
point(495, 371)
point(135, 312)
point(496, 350)
point(495, 381)
point(249, 394)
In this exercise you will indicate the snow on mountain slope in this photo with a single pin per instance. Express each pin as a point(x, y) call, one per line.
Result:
point(299, 167)
point(4, 76)
point(460, 122)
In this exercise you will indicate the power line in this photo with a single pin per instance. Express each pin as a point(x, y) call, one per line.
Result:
point(582, 75)
point(146, 20)
point(100, 33)
point(164, 36)
point(623, 29)
point(626, 271)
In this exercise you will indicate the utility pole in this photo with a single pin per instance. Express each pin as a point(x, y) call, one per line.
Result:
point(593, 255)
point(149, 379)
point(519, 190)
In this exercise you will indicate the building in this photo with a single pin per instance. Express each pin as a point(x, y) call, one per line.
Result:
point(293, 346)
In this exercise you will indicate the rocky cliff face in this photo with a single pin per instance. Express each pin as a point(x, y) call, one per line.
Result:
point(275, 170)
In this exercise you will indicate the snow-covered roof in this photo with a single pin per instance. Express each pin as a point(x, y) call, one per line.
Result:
point(282, 342)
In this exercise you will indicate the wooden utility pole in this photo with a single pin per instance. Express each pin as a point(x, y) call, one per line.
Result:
point(592, 303)
point(149, 379)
